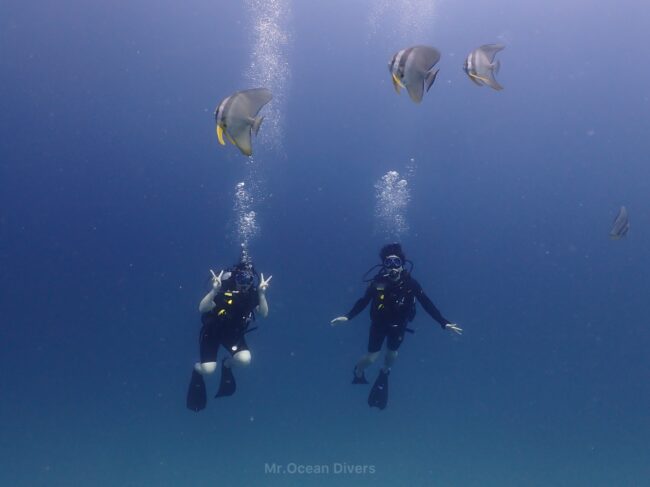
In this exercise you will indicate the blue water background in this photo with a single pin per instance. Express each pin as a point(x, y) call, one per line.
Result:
point(115, 200)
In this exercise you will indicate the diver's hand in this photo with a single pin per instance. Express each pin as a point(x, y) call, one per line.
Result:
point(216, 280)
point(264, 284)
point(454, 327)
point(339, 320)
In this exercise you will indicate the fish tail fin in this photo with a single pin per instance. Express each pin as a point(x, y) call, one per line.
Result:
point(496, 66)
point(430, 78)
point(257, 121)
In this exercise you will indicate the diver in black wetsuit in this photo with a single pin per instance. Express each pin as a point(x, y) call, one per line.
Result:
point(226, 313)
point(392, 294)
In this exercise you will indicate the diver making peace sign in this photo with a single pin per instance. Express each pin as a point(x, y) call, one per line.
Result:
point(226, 313)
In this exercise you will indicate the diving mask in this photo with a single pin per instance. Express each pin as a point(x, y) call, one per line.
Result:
point(244, 280)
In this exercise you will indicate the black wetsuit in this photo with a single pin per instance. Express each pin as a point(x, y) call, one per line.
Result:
point(392, 307)
point(227, 322)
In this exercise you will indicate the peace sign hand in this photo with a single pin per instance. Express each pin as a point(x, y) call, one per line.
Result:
point(216, 280)
point(264, 284)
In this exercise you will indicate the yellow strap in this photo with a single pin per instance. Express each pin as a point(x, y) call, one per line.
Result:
point(222, 312)
point(229, 301)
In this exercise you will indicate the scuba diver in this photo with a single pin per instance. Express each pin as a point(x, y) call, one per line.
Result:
point(226, 313)
point(392, 292)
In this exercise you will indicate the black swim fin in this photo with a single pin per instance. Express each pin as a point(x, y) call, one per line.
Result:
point(196, 395)
point(227, 385)
point(358, 380)
point(378, 397)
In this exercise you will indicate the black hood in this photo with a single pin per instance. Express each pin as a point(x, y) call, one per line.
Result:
point(392, 249)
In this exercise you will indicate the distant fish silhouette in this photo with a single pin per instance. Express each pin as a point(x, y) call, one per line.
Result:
point(621, 225)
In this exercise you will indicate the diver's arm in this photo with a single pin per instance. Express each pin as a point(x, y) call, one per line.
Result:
point(356, 309)
point(428, 305)
point(430, 308)
point(207, 303)
point(263, 306)
point(360, 304)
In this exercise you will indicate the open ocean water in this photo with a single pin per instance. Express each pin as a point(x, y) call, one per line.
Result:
point(116, 199)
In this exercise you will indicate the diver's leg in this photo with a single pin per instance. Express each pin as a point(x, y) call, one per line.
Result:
point(394, 340)
point(239, 359)
point(240, 355)
point(364, 362)
point(196, 399)
point(378, 397)
point(375, 340)
point(389, 359)
point(208, 345)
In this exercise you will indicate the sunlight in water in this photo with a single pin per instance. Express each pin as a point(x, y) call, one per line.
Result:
point(269, 67)
point(406, 21)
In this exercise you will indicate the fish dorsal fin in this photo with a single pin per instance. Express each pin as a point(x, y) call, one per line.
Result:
point(256, 99)
point(490, 50)
point(425, 57)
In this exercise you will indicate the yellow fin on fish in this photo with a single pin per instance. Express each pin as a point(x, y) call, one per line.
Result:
point(220, 135)
point(481, 78)
point(397, 84)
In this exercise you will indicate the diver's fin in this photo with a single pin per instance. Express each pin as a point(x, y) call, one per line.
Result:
point(257, 121)
point(358, 380)
point(196, 395)
point(430, 78)
point(227, 385)
point(220, 135)
point(378, 397)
